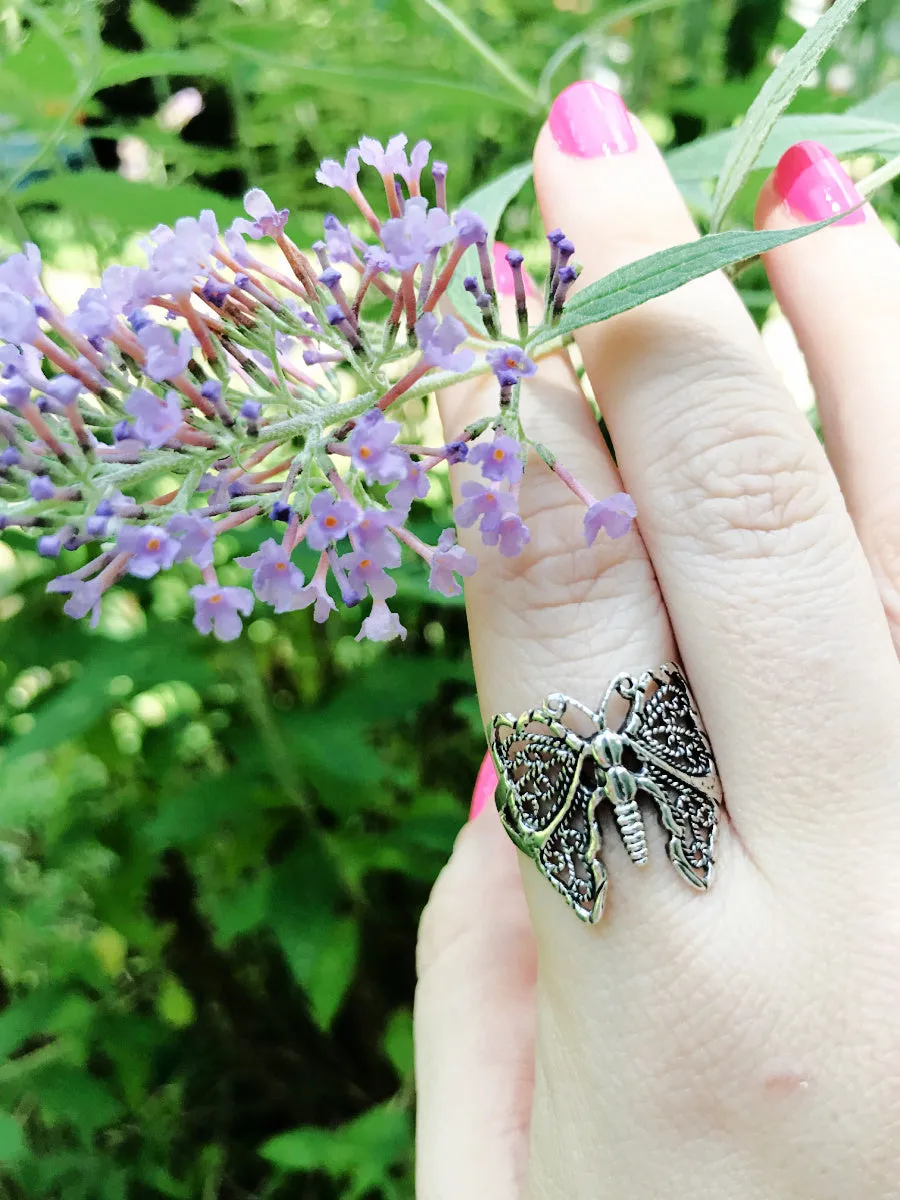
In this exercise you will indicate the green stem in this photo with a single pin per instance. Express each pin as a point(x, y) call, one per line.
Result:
point(879, 178)
point(512, 77)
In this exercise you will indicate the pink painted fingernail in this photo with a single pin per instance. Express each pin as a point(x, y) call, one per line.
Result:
point(814, 185)
point(485, 785)
point(504, 280)
point(590, 121)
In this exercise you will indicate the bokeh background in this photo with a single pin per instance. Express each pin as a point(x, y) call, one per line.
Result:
point(213, 858)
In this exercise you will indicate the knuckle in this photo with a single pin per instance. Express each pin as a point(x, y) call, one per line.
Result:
point(747, 481)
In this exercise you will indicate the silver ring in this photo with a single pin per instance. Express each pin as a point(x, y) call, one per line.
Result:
point(556, 764)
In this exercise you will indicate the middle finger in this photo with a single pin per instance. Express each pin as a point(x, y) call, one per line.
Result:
point(769, 593)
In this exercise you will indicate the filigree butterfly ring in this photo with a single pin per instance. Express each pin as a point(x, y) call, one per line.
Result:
point(559, 764)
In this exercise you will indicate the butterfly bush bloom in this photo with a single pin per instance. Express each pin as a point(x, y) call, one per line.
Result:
point(219, 609)
point(212, 388)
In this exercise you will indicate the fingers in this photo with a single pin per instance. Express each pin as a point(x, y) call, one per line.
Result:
point(840, 289)
point(540, 621)
point(474, 1019)
point(757, 560)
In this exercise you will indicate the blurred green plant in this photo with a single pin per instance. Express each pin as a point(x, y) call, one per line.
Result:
point(212, 860)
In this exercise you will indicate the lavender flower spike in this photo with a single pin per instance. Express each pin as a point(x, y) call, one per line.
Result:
point(501, 459)
point(151, 549)
point(276, 580)
point(332, 174)
point(449, 561)
point(156, 420)
point(381, 625)
point(387, 160)
point(166, 357)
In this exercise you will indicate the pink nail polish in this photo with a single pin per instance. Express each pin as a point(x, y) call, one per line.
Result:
point(814, 185)
point(590, 121)
point(485, 785)
point(504, 281)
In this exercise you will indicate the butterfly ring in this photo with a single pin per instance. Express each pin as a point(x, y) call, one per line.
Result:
point(556, 764)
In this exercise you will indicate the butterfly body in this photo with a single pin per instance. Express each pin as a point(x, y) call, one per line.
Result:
point(554, 780)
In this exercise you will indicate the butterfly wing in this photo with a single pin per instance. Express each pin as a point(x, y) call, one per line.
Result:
point(546, 797)
point(679, 770)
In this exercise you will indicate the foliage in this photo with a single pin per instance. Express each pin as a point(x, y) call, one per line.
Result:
point(212, 858)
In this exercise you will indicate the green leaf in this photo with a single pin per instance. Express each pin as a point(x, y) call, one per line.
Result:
point(333, 971)
point(669, 269)
point(487, 53)
point(127, 206)
point(12, 1139)
point(398, 1042)
point(156, 27)
point(121, 68)
point(373, 1142)
point(774, 97)
point(842, 133)
point(490, 202)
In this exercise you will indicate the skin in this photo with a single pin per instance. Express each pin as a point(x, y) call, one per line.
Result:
point(742, 1044)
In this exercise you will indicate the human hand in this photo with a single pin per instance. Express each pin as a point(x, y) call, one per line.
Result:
point(744, 1042)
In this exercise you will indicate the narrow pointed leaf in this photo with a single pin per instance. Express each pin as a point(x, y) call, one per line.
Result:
point(774, 97)
point(669, 269)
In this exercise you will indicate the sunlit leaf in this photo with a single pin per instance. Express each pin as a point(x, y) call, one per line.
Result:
point(774, 97)
point(660, 273)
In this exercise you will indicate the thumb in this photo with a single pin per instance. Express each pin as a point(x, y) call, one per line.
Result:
point(474, 1018)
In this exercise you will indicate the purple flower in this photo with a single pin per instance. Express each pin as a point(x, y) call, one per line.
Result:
point(338, 241)
point(85, 597)
point(64, 388)
point(166, 357)
point(449, 561)
point(332, 174)
point(96, 527)
point(276, 580)
point(331, 519)
point(409, 240)
point(373, 535)
point(418, 160)
point(439, 341)
point(150, 547)
point(156, 420)
point(22, 272)
point(49, 546)
point(486, 505)
point(251, 410)
point(381, 625)
point(217, 609)
point(364, 571)
point(385, 160)
point(41, 488)
point(510, 360)
point(18, 320)
point(501, 459)
point(414, 486)
point(613, 515)
point(470, 229)
point(510, 533)
point(267, 220)
point(94, 316)
point(196, 536)
point(124, 287)
point(372, 450)
point(10, 457)
point(315, 593)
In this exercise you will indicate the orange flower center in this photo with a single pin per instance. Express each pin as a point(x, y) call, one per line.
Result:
point(365, 564)
point(489, 496)
point(216, 598)
point(511, 362)
point(331, 521)
point(365, 452)
point(281, 566)
point(499, 455)
point(153, 544)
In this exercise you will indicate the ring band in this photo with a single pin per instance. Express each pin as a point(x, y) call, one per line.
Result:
point(556, 764)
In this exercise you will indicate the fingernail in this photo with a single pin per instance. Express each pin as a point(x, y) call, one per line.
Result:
point(504, 280)
point(590, 121)
point(485, 785)
point(814, 185)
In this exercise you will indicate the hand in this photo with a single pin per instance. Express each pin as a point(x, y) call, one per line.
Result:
point(743, 1042)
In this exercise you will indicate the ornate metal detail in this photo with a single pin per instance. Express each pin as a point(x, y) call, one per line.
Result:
point(646, 737)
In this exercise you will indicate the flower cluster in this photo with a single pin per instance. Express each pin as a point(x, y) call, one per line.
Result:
point(213, 368)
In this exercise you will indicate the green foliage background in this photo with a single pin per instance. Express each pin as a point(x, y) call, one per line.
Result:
point(212, 859)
